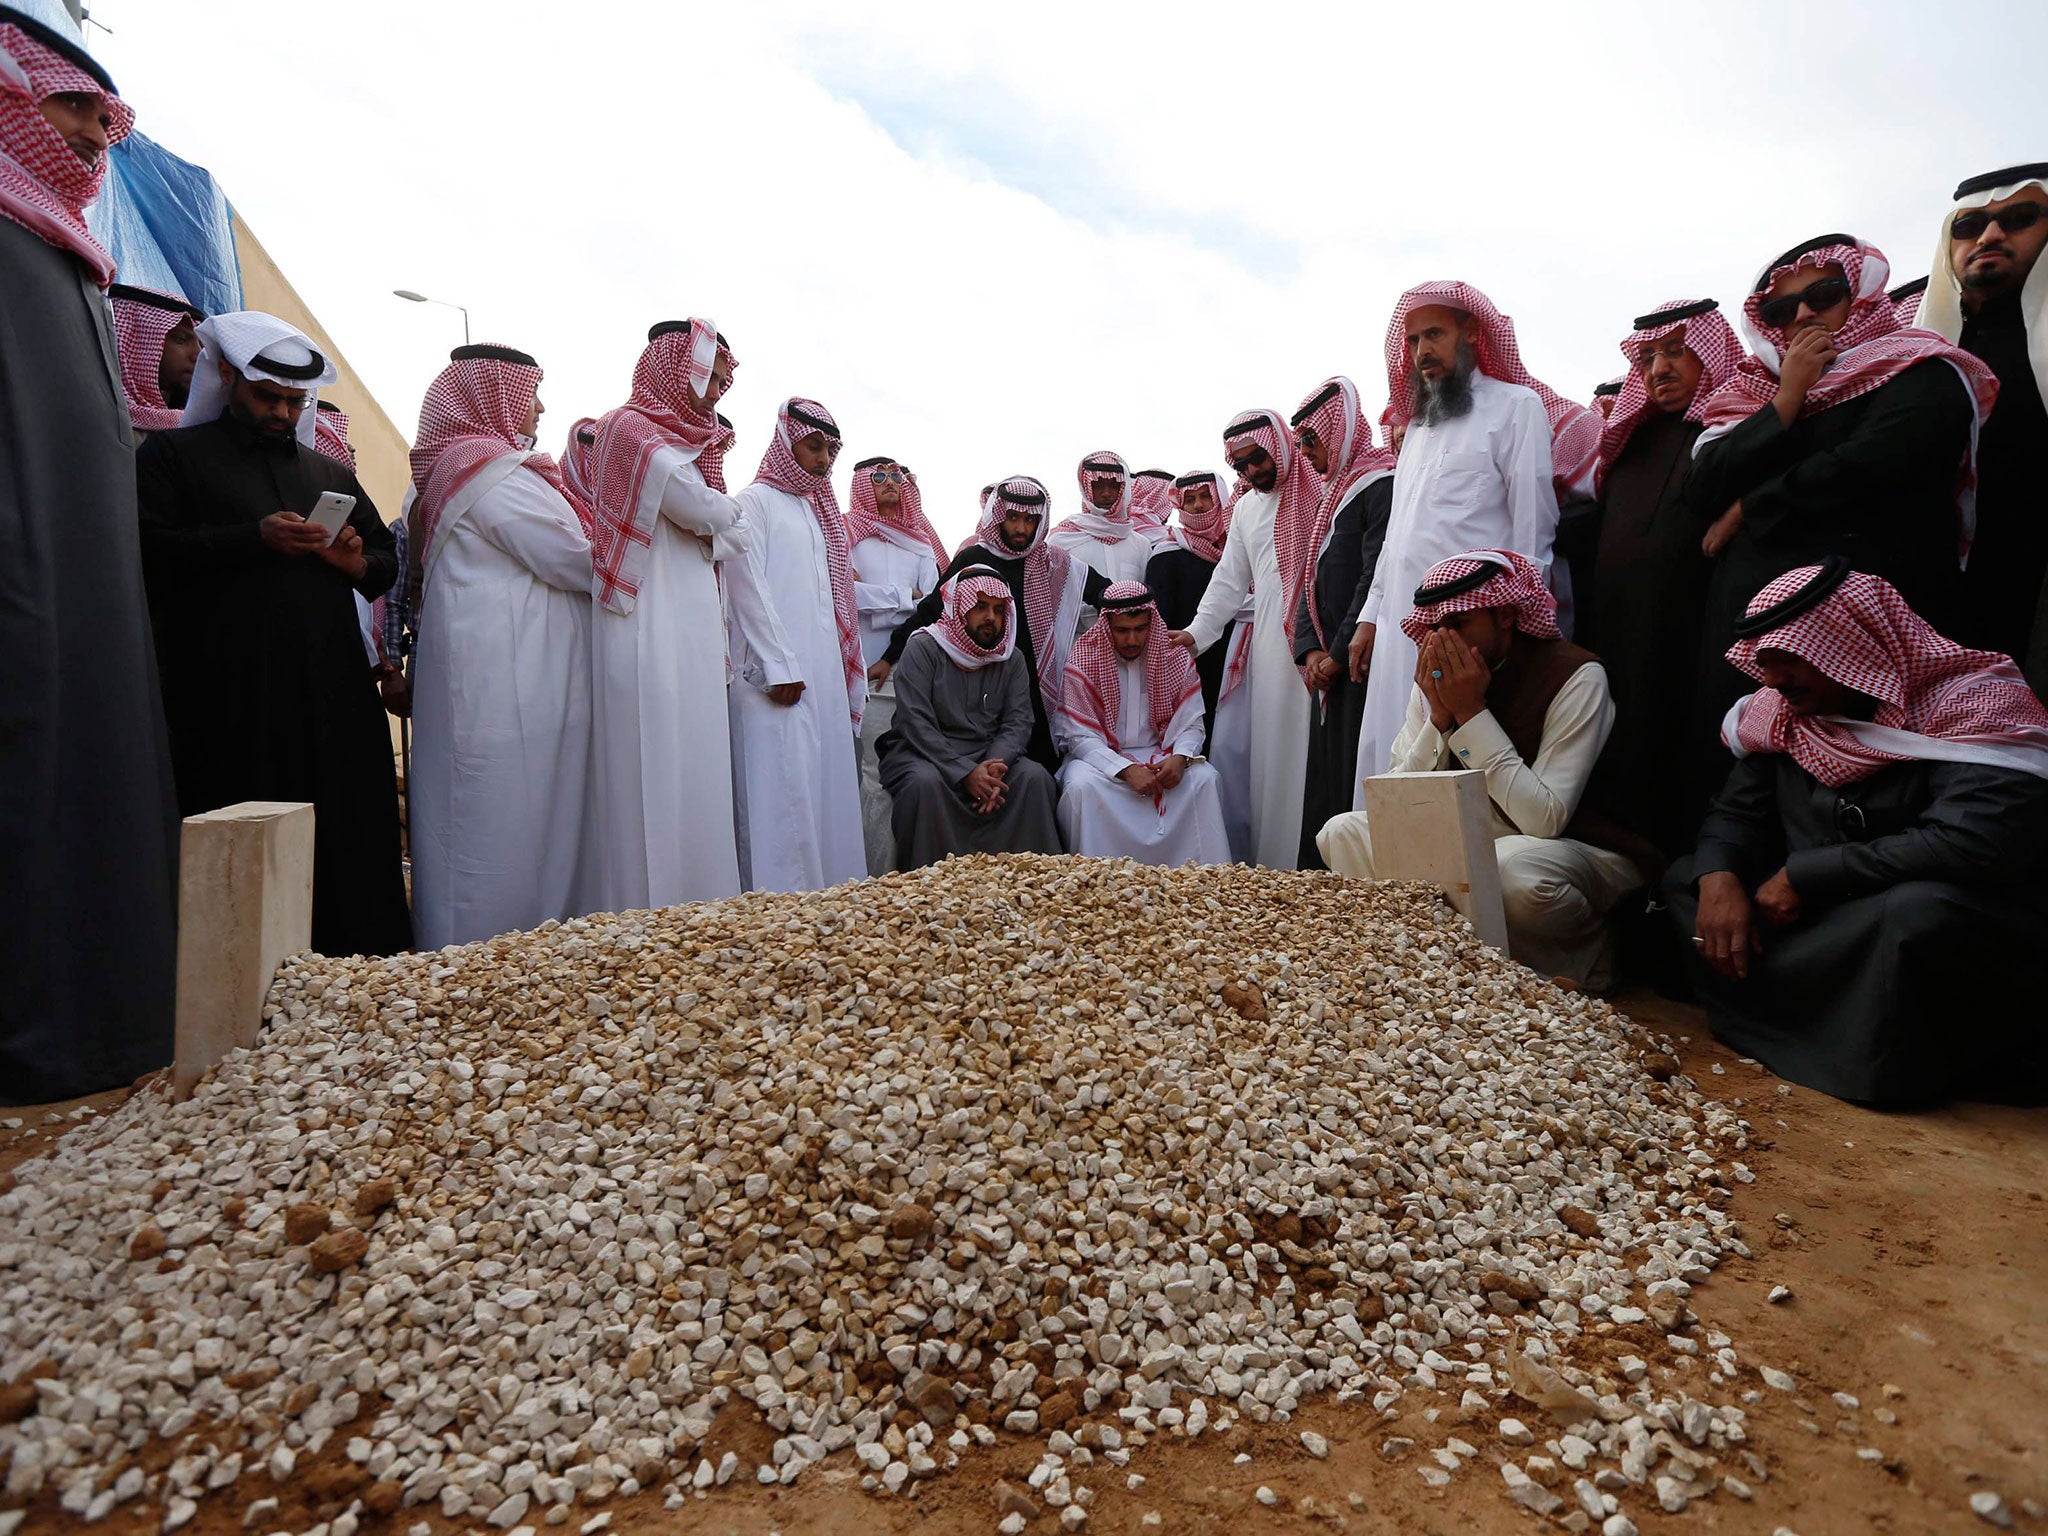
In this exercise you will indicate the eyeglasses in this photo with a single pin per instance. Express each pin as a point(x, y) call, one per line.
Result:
point(1968, 226)
point(1825, 294)
point(881, 476)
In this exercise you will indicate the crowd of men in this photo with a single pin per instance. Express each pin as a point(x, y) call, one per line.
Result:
point(1736, 644)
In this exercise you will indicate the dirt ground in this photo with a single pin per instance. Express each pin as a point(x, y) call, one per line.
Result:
point(1915, 1248)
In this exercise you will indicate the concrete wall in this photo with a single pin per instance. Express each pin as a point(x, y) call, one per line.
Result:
point(381, 448)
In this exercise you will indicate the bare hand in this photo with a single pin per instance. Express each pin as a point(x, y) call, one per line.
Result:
point(1321, 669)
point(1166, 773)
point(1183, 639)
point(786, 694)
point(983, 786)
point(1139, 779)
point(1811, 354)
point(345, 554)
point(1777, 902)
point(287, 533)
point(1427, 668)
point(396, 691)
point(1724, 529)
point(1465, 676)
point(1726, 925)
point(878, 674)
point(1360, 655)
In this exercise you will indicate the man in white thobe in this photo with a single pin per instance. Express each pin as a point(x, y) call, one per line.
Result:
point(897, 557)
point(1475, 471)
point(1134, 784)
point(1280, 483)
point(1103, 535)
point(1498, 689)
point(661, 762)
point(796, 782)
point(501, 670)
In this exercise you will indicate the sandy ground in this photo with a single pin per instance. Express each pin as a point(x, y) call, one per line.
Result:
point(1915, 1247)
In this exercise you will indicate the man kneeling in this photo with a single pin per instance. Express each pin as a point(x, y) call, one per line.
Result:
point(1134, 784)
point(955, 762)
point(1497, 688)
point(1866, 897)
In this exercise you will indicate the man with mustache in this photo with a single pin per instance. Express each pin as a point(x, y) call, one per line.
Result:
point(159, 348)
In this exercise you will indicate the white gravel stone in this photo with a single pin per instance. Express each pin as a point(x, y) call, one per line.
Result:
point(1990, 1508)
point(1515, 1432)
point(1315, 1445)
point(1266, 1496)
point(1617, 1525)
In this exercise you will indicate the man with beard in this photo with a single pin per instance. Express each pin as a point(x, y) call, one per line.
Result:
point(957, 764)
point(1476, 471)
point(1338, 561)
point(1649, 574)
point(1989, 295)
point(159, 346)
point(266, 686)
point(1275, 514)
point(1866, 898)
point(1839, 434)
point(1048, 586)
point(88, 831)
point(1102, 534)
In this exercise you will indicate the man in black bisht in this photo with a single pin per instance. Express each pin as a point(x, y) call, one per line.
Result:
point(265, 684)
point(88, 833)
point(1649, 573)
point(1989, 294)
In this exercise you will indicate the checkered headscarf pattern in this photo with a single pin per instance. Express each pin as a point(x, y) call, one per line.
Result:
point(1201, 532)
point(1299, 490)
point(330, 434)
point(1864, 636)
point(1151, 501)
point(1048, 574)
point(1574, 430)
point(575, 463)
point(1093, 692)
point(140, 329)
point(1107, 527)
point(1340, 425)
point(1711, 339)
point(44, 186)
point(657, 415)
point(1517, 583)
point(780, 469)
point(950, 632)
point(909, 529)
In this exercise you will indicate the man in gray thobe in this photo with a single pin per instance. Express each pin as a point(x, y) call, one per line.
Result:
point(957, 763)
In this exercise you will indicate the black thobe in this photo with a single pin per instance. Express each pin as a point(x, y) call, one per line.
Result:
point(1344, 573)
point(88, 828)
point(1649, 584)
point(2003, 585)
point(1872, 479)
point(267, 688)
point(1178, 577)
point(1011, 569)
point(1915, 970)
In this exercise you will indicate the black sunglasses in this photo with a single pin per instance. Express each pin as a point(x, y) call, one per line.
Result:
point(1825, 294)
point(881, 475)
point(1968, 226)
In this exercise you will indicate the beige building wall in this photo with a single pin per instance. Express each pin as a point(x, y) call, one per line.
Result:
point(381, 449)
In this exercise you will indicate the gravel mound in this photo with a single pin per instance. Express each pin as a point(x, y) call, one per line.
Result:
point(1044, 1146)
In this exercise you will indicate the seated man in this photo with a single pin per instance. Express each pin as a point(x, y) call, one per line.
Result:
point(956, 763)
point(1866, 896)
point(1498, 689)
point(1134, 784)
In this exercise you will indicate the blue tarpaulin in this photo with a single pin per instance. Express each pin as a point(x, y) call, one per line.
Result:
point(168, 224)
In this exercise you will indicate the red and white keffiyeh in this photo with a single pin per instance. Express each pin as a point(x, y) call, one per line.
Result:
point(44, 186)
point(909, 529)
point(1872, 350)
point(1106, 527)
point(1709, 337)
point(1093, 692)
point(1906, 301)
point(1604, 396)
point(330, 434)
point(1299, 491)
point(474, 414)
point(657, 415)
point(1201, 532)
point(1053, 579)
point(1151, 501)
point(576, 470)
point(1574, 430)
point(143, 321)
point(1332, 412)
point(1936, 700)
point(798, 419)
point(950, 632)
point(1484, 578)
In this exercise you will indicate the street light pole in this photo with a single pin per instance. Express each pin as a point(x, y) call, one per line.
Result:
point(421, 298)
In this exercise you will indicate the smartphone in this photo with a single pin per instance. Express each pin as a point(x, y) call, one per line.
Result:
point(331, 512)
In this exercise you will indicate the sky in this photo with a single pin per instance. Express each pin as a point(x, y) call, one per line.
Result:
point(994, 239)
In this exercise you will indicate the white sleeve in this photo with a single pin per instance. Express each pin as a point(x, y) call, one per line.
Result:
point(1184, 732)
point(1526, 471)
point(762, 654)
point(1420, 746)
point(1541, 798)
point(1229, 585)
point(553, 549)
point(696, 508)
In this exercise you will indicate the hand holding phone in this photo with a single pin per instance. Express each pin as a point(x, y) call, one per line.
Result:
point(331, 512)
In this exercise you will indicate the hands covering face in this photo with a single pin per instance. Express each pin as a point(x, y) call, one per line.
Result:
point(1453, 678)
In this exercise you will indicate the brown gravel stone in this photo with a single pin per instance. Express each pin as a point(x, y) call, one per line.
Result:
point(304, 1222)
point(338, 1250)
point(148, 1242)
